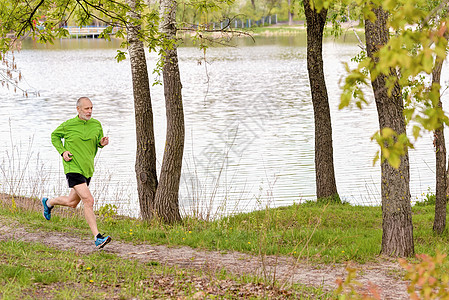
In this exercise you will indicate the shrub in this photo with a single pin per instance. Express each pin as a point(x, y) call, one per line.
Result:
point(107, 213)
point(427, 280)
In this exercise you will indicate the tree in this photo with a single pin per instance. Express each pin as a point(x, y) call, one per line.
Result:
point(324, 162)
point(397, 227)
point(439, 223)
point(166, 201)
point(20, 18)
point(395, 65)
point(145, 167)
point(290, 13)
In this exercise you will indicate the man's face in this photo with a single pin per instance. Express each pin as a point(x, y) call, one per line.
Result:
point(84, 109)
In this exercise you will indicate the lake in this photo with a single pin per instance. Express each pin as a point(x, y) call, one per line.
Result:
point(248, 116)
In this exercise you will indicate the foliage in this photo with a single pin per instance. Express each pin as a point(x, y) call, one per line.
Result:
point(10, 74)
point(107, 213)
point(429, 199)
point(44, 21)
point(428, 278)
point(392, 145)
point(350, 288)
point(420, 37)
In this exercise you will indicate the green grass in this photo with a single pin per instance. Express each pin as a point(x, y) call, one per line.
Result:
point(321, 233)
point(34, 271)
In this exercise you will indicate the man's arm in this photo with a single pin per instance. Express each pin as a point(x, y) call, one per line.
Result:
point(56, 138)
point(102, 140)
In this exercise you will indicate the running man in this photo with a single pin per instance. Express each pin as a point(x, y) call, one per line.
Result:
point(82, 136)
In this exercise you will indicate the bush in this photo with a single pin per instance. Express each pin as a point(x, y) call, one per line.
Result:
point(427, 280)
point(107, 213)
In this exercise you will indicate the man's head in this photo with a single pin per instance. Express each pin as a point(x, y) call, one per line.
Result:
point(84, 108)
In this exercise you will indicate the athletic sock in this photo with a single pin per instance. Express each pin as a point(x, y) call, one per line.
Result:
point(49, 206)
point(99, 236)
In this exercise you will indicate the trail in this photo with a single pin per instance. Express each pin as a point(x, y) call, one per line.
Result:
point(283, 269)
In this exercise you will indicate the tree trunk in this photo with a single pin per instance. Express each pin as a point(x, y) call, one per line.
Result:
point(290, 13)
point(145, 153)
point(439, 223)
point(397, 236)
point(324, 161)
point(166, 202)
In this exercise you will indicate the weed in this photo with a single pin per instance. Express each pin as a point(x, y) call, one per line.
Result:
point(334, 199)
point(429, 198)
point(350, 288)
point(46, 277)
point(107, 213)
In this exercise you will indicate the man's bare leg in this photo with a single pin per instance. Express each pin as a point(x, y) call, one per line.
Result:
point(88, 200)
point(72, 200)
point(79, 193)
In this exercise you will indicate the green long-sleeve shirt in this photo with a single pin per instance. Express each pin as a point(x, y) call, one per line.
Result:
point(82, 139)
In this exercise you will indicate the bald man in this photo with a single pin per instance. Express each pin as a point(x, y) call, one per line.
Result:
point(82, 137)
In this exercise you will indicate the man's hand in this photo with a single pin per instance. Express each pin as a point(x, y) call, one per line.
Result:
point(104, 141)
point(67, 156)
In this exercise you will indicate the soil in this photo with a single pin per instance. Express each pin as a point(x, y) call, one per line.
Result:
point(385, 274)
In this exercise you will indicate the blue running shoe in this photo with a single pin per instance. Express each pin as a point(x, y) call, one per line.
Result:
point(101, 241)
point(47, 210)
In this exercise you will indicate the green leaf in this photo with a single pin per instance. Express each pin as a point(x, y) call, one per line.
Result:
point(387, 132)
point(121, 55)
point(394, 160)
point(416, 131)
point(376, 158)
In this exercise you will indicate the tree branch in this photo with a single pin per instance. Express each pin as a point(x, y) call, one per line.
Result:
point(107, 13)
point(30, 18)
point(434, 11)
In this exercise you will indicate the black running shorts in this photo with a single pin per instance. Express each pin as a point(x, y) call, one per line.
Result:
point(76, 178)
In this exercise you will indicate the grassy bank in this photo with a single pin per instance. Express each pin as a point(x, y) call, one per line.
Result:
point(35, 271)
point(316, 232)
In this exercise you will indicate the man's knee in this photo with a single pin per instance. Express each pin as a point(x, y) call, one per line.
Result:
point(88, 202)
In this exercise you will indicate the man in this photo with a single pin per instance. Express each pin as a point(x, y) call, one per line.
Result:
point(82, 137)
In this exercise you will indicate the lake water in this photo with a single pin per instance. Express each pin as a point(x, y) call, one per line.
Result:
point(248, 116)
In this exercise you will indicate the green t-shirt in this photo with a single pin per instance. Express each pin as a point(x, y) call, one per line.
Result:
point(82, 139)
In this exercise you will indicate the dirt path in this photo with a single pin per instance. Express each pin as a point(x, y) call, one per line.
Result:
point(381, 274)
